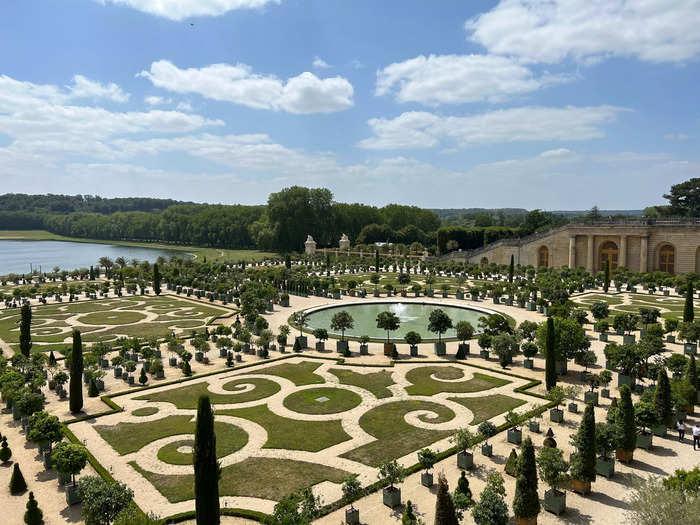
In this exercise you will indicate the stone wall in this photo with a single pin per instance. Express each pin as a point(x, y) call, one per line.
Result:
point(638, 247)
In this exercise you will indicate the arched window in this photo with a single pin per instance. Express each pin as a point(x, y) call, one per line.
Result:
point(667, 258)
point(484, 261)
point(610, 253)
point(543, 257)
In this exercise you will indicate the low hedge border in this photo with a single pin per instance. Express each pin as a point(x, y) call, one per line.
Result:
point(332, 507)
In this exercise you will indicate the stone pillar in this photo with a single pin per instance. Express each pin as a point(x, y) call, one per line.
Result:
point(589, 259)
point(572, 252)
point(643, 254)
point(622, 260)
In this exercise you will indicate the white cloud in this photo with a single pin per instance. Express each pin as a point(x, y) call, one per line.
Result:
point(86, 88)
point(181, 9)
point(156, 101)
point(184, 106)
point(43, 122)
point(676, 136)
point(590, 30)
point(424, 130)
point(319, 63)
point(455, 79)
point(302, 94)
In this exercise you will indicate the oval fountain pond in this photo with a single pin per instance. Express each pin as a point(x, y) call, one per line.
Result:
point(413, 317)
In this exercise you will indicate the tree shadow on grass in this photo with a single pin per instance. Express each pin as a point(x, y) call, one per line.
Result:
point(572, 515)
point(626, 478)
point(646, 467)
point(72, 514)
point(46, 475)
point(663, 451)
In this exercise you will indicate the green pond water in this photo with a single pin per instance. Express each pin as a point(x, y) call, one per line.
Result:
point(413, 317)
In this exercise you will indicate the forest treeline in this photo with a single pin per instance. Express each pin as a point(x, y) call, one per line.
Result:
point(280, 225)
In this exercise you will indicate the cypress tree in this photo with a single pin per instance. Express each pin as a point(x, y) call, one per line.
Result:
point(34, 515)
point(156, 279)
point(5, 452)
point(511, 467)
point(606, 278)
point(376, 261)
point(624, 421)
point(550, 369)
point(52, 359)
point(691, 372)
point(76, 374)
point(17, 483)
point(583, 464)
point(688, 309)
point(444, 506)
point(526, 502)
point(25, 325)
point(511, 268)
point(663, 402)
point(206, 468)
point(328, 264)
point(463, 486)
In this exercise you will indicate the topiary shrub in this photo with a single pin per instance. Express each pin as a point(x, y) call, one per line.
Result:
point(512, 464)
point(5, 452)
point(93, 391)
point(33, 515)
point(17, 483)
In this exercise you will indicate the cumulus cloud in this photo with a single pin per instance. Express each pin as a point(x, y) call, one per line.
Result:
point(455, 79)
point(590, 30)
point(238, 83)
point(156, 101)
point(181, 9)
point(85, 88)
point(419, 129)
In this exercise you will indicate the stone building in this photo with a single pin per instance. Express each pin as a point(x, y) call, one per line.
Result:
point(344, 243)
point(641, 245)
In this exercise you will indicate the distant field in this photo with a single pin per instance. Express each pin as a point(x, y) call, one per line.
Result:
point(209, 253)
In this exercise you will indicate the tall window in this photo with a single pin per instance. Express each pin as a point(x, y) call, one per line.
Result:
point(667, 258)
point(543, 257)
point(610, 253)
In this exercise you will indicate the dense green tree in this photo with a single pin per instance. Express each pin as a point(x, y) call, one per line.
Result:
point(388, 321)
point(439, 322)
point(691, 372)
point(684, 198)
point(342, 321)
point(44, 429)
point(526, 502)
point(33, 514)
point(101, 500)
point(491, 508)
point(76, 374)
point(606, 276)
point(70, 458)
point(206, 467)
point(5, 452)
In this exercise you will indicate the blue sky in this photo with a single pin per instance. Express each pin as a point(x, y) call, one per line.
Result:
point(520, 103)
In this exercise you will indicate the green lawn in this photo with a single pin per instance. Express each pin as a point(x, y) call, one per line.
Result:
point(375, 382)
point(186, 397)
point(322, 400)
point(291, 434)
point(126, 438)
point(394, 437)
point(229, 439)
point(253, 477)
point(145, 411)
point(298, 373)
point(487, 407)
point(424, 385)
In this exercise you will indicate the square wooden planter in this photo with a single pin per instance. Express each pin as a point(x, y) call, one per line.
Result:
point(440, 349)
point(534, 426)
point(529, 363)
point(465, 460)
point(414, 350)
point(426, 479)
point(659, 430)
point(554, 501)
point(581, 487)
point(605, 468)
point(515, 436)
point(487, 450)
point(391, 497)
point(644, 441)
point(484, 354)
point(591, 397)
point(556, 415)
point(352, 516)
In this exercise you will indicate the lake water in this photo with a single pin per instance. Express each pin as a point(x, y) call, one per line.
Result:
point(17, 256)
point(413, 317)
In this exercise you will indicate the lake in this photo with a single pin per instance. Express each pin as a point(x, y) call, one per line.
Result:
point(17, 256)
